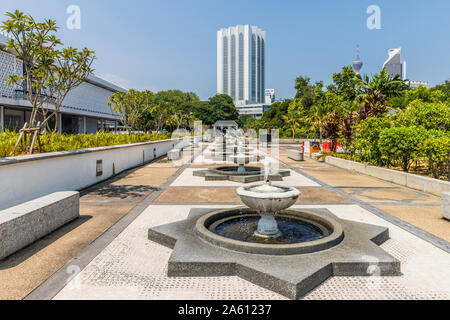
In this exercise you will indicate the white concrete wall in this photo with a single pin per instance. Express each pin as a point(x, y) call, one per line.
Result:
point(29, 177)
point(413, 181)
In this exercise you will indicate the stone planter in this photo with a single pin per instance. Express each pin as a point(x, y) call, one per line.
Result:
point(445, 209)
point(296, 155)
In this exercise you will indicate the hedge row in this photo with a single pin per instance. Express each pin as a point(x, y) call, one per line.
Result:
point(52, 142)
point(420, 135)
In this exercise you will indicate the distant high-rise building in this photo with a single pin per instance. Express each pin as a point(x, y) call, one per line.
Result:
point(270, 96)
point(357, 64)
point(417, 84)
point(241, 65)
point(394, 64)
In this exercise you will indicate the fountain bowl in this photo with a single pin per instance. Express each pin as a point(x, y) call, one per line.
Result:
point(331, 232)
point(266, 201)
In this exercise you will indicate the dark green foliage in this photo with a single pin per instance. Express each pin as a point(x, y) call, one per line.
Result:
point(401, 145)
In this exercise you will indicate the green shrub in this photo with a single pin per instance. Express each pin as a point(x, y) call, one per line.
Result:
point(436, 151)
point(401, 145)
point(53, 142)
point(7, 143)
point(426, 115)
point(365, 141)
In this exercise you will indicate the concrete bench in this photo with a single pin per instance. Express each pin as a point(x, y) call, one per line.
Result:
point(296, 155)
point(445, 209)
point(22, 225)
point(174, 154)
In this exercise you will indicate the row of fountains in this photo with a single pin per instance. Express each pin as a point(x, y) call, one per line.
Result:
point(288, 251)
point(240, 151)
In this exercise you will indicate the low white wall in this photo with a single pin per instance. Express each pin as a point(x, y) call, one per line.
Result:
point(413, 181)
point(29, 177)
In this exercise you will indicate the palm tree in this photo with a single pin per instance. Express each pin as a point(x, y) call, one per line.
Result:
point(293, 120)
point(377, 91)
point(317, 116)
point(385, 84)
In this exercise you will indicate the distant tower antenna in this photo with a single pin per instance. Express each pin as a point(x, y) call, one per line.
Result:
point(357, 64)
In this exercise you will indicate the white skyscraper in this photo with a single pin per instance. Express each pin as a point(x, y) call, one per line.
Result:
point(241, 66)
point(394, 64)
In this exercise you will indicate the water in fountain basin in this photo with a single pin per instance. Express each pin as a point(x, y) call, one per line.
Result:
point(241, 169)
point(266, 188)
point(292, 231)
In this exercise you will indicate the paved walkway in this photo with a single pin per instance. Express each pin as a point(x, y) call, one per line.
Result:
point(123, 264)
point(101, 206)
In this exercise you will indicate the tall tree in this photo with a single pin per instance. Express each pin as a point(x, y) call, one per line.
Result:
point(70, 69)
point(131, 106)
point(347, 83)
point(223, 107)
point(33, 43)
point(377, 91)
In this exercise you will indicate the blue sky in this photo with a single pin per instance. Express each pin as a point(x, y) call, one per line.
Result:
point(171, 44)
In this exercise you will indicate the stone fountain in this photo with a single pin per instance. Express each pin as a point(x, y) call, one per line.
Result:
point(268, 200)
point(288, 251)
point(242, 156)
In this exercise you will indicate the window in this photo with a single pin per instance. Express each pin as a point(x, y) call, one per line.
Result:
point(263, 62)
point(233, 67)
point(241, 67)
point(259, 70)
point(253, 79)
point(225, 65)
point(14, 119)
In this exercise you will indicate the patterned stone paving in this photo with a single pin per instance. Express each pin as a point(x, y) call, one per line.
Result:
point(132, 267)
point(429, 218)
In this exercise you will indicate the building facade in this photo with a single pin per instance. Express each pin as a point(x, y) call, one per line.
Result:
point(270, 96)
point(84, 110)
point(241, 66)
point(394, 64)
point(417, 84)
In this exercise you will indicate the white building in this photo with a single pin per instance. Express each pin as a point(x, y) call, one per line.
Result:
point(84, 110)
point(270, 96)
point(417, 84)
point(394, 64)
point(241, 67)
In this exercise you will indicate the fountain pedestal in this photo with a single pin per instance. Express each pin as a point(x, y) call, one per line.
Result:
point(268, 200)
point(267, 227)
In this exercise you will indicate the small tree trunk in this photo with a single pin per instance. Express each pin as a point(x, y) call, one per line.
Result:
point(320, 140)
point(56, 129)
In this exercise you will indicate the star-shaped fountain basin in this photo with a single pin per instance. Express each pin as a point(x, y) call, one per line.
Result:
point(353, 250)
